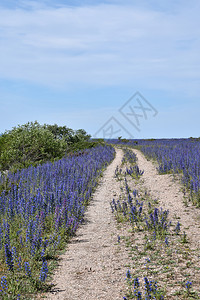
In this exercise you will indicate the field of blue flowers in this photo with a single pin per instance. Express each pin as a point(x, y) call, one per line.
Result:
point(177, 156)
point(40, 208)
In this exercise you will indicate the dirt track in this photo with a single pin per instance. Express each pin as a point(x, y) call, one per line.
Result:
point(94, 265)
point(171, 197)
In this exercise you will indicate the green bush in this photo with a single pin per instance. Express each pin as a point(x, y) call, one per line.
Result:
point(32, 144)
point(29, 144)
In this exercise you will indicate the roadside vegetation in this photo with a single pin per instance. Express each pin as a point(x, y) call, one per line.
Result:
point(51, 173)
point(33, 144)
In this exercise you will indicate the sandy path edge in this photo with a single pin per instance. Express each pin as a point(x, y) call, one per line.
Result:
point(171, 197)
point(93, 266)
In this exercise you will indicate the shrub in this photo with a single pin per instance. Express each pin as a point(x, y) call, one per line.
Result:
point(29, 144)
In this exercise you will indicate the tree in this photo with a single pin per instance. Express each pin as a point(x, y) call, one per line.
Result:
point(61, 132)
point(29, 144)
point(81, 136)
point(32, 143)
point(69, 135)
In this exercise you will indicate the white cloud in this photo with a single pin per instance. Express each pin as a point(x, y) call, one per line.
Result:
point(101, 45)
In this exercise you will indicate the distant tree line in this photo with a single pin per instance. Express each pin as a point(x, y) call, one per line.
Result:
point(32, 144)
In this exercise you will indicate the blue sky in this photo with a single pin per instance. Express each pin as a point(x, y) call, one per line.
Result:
point(76, 63)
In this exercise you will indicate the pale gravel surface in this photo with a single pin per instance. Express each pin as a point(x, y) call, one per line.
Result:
point(171, 197)
point(93, 266)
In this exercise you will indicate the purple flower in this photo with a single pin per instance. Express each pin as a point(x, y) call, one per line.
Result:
point(4, 286)
point(43, 272)
point(27, 269)
point(128, 275)
point(188, 285)
point(9, 257)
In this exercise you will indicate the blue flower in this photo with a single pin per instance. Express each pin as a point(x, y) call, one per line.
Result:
point(4, 284)
point(27, 269)
point(44, 271)
point(128, 274)
point(136, 283)
point(188, 285)
point(9, 258)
